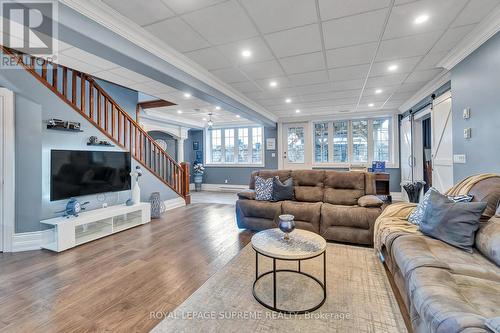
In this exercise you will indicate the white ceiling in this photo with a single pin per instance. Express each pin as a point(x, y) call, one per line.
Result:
point(189, 110)
point(326, 55)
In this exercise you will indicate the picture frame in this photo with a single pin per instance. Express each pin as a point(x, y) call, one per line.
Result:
point(196, 145)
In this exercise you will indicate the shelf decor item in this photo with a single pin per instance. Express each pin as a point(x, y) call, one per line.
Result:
point(199, 170)
point(136, 190)
point(94, 141)
point(287, 225)
point(61, 125)
point(413, 190)
point(73, 208)
point(157, 206)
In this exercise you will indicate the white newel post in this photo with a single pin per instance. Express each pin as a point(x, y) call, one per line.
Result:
point(180, 150)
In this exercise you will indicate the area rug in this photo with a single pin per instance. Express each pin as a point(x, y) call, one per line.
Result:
point(359, 297)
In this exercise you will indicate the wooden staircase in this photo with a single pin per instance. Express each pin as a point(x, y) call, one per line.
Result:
point(84, 95)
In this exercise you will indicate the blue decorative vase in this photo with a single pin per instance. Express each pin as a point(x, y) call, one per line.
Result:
point(287, 225)
point(198, 179)
point(157, 206)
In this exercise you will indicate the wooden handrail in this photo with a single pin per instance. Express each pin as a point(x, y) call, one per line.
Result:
point(118, 126)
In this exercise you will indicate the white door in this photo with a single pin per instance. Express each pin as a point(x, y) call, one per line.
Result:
point(442, 143)
point(406, 151)
point(296, 146)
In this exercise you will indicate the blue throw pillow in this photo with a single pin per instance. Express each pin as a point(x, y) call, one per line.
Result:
point(263, 189)
point(417, 215)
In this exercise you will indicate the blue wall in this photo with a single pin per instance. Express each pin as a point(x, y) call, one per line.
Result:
point(34, 104)
point(233, 175)
point(475, 84)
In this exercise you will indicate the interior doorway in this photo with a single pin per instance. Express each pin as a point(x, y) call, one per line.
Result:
point(427, 153)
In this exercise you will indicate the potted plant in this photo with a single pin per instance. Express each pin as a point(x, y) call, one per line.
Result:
point(199, 170)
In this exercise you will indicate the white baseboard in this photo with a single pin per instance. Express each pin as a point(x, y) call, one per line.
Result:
point(232, 188)
point(29, 241)
point(397, 196)
point(174, 203)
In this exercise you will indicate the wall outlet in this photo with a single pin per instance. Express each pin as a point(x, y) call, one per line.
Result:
point(226, 181)
point(467, 133)
point(466, 113)
point(459, 158)
point(273, 154)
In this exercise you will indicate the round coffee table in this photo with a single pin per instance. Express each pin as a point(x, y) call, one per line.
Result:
point(302, 245)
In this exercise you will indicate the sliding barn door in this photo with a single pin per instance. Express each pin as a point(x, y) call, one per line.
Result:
point(406, 151)
point(442, 143)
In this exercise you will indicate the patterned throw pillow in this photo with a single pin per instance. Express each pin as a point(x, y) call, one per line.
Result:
point(417, 215)
point(263, 189)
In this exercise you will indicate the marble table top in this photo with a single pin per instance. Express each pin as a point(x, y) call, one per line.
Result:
point(301, 245)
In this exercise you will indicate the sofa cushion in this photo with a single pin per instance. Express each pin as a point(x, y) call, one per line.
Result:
point(488, 239)
point(283, 190)
point(344, 188)
point(261, 209)
point(452, 222)
point(370, 201)
point(247, 194)
point(308, 185)
point(348, 216)
point(307, 214)
point(488, 191)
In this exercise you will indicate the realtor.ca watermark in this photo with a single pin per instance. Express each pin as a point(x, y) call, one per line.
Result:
point(29, 27)
point(247, 315)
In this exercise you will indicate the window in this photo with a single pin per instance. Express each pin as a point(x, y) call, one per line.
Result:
point(242, 145)
point(216, 147)
point(353, 141)
point(381, 140)
point(321, 142)
point(340, 141)
point(360, 141)
point(229, 145)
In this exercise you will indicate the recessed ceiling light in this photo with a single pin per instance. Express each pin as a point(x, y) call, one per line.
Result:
point(204, 119)
point(179, 111)
point(297, 111)
point(371, 105)
point(392, 68)
point(246, 53)
point(378, 91)
point(187, 95)
point(421, 19)
point(288, 100)
point(237, 116)
point(273, 84)
point(217, 108)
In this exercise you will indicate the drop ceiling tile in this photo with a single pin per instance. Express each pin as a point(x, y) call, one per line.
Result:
point(308, 78)
point(441, 14)
point(111, 77)
point(411, 87)
point(96, 62)
point(223, 23)
point(130, 75)
point(73, 63)
point(475, 11)
point(141, 12)
point(405, 65)
point(423, 76)
point(303, 63)
point(347, 85)
point(230, 75)
point(246, 87)
point(283, 84)
point(177, 34)
point(386, 80)
point(352, 55)
point(431, 60)
point(292, 13)
point(352, 30)
point(338, 8)
point(406, 47)
point(183, 6)
point(451, 38)
point(349, 73)
point(209, 58)
point(377, 99)
point(295, 41)
point(263, 70)
point(259, 49)
point(313, 88)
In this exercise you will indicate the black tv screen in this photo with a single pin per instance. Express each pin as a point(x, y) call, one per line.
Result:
point(82, 172)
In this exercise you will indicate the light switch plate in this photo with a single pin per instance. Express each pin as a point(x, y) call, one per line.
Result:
point(467, 133)
point(466, 114)
point(459, 158)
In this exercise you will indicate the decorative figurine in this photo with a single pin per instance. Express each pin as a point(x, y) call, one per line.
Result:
point(73, 208)
point(136, 190)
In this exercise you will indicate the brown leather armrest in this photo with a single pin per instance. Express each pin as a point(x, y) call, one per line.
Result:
point(247, 194)
point(370, 201)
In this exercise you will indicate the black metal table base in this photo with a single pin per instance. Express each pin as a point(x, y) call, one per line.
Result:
point(298, 271)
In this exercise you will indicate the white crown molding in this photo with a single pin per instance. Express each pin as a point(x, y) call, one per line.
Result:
point(480, 34)
point(126, 28)
point(426, 90)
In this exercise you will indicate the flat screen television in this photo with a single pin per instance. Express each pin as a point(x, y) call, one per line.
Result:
point(82, 172)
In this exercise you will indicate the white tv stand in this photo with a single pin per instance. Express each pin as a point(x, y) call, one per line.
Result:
point(88, 226)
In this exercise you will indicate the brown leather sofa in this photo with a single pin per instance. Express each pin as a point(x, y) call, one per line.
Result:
point(445, 289)
point(329, 203)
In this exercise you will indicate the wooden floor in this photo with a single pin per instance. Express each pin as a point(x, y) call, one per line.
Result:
point(112, 285)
